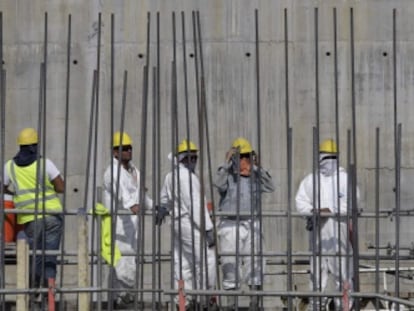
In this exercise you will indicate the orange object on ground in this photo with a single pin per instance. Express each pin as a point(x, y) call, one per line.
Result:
point(9, 220)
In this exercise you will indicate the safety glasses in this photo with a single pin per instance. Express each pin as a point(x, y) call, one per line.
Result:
point(124, 148)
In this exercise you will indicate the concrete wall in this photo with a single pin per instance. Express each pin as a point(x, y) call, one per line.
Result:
point(228, 31)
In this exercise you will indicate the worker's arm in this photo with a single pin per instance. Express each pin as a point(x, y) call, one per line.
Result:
point(266, 182)
point(304, 196)
point(58, 184)
point(221, 177)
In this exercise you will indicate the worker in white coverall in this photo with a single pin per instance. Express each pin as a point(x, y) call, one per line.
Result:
point(193, 228)
point(240, 182)
point(123, 194)
point(332, 241)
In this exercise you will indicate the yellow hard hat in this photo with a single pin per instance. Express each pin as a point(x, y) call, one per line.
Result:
point(243, 144)
point(27, 136)
point(186, 146)
point(328, 146)
point(121, 138)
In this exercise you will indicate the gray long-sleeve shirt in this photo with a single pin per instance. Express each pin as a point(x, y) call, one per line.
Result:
point(246, 199)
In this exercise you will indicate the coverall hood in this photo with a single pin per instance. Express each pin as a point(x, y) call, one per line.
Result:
point(26, 155)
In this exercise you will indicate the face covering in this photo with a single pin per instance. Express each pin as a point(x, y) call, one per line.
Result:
point(190, 162)
point(191, 166)
point(328, 167)
point(245, 166)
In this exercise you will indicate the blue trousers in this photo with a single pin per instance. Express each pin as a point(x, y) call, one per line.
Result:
point(44, 234)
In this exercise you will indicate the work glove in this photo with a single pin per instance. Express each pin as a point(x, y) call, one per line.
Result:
point(162, 211)
point(210, 240)
point(309, 223)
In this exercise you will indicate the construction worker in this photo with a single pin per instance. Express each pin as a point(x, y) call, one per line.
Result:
point(122, 193)
point(193, 229)
point(333, 181)
point(37, 194)
point(240, 182)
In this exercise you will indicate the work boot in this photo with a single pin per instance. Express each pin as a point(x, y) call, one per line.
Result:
point(210, 304)
point(254, 300)
point(231, 302)
point(318, 304)
point(124, 301)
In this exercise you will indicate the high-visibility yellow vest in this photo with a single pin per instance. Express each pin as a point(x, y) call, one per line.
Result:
point(26, 197)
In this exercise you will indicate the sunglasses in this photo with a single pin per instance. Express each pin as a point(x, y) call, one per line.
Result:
point(124, 148)
point(192, 158)
point(245, 155)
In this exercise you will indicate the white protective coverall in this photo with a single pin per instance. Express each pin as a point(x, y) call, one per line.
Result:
point(330, 242)
point(126, 225)
point(187, 214)
point(247, 228)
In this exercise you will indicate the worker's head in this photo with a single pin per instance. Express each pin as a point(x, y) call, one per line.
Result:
point(122, 146)
point(187, 154)
point(328, 156)
point(243, 147)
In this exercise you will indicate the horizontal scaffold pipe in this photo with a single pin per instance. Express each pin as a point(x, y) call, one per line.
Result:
point(385, 213)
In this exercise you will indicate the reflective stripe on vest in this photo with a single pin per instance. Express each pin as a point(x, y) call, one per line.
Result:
point(26, 196)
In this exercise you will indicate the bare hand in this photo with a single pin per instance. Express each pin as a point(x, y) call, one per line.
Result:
point(135, 209)
point(325, 210)
point(230, 153)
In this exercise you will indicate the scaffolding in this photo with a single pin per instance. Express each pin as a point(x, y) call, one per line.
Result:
point(383, 273)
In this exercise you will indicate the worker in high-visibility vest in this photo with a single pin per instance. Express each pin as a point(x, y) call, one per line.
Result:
point(36, 194)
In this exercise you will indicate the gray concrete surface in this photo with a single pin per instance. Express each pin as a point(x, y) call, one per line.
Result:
point(229, 56)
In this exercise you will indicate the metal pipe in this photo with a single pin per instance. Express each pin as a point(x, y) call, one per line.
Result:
point(238, 193)
point(259, 150)
point(354, 151)
point(377, 208)
point(2, 160)
point(89, 150)
point(200, 119)
point(174, 142)
point(139, 281)
point(65, 152)
point(42, 134)
point(289, 156)
point(40, 131)
point(314, 237)
point(397, 210)
point(118, 176)
point(155, 139)
point(187, 122)
point(142, 190)
point(338, 181)
point(110, 149)
point(397, 153)
point(210, 168)
point(95, 139)
point(158, 155)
